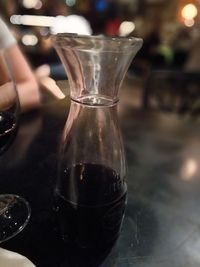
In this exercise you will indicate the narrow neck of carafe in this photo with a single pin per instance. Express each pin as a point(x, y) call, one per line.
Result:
point(95, 100)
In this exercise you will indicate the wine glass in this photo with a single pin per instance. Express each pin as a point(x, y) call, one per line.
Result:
point(14, 210)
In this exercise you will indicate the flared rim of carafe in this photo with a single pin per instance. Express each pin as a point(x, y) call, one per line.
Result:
point(73, 40)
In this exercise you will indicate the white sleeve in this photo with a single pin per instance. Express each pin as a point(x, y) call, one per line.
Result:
point(6, 37)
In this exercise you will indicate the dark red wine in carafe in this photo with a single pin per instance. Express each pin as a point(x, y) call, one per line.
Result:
point(90, 205)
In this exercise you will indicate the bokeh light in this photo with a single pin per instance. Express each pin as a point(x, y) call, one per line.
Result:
point(70, 2)
point(189, 11)
point(189, 22)
point(29, 40)
point(126, 27)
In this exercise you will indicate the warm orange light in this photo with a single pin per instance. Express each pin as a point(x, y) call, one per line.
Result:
point(189, 12)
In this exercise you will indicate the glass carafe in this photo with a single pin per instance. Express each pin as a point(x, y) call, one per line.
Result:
point(91, 187)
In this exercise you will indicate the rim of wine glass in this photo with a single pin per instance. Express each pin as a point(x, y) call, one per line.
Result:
point(27, 218)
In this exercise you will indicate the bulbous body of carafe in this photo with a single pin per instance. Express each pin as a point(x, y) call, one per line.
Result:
point(91, 187)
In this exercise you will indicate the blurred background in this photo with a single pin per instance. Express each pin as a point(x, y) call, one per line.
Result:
point(169, 28)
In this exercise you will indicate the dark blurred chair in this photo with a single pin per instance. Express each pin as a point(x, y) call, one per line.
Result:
point(173, 91)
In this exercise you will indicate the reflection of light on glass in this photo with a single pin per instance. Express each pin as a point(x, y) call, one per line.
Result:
point(189, 22)
point(70, 2)
point(32, 20)
point(126, 27)
point(29, 39)
point(29, 3)
point(189, 169)
point(189, 11)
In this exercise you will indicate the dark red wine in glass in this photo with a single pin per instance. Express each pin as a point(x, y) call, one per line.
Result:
point(14, 210)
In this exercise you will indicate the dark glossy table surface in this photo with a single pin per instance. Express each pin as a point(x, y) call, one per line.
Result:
point(162, 223)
